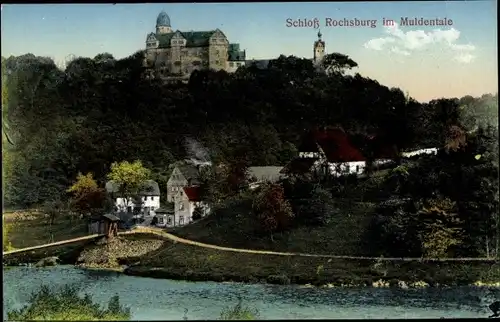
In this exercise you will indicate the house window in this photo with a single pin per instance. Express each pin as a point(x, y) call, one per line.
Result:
point(169, 220)
point(152, 208)
point(181, 206)
point(357, 168)
point(161, 220)
point(231, 64)
point(152, 198)
point(217, 62)
point(181, 220)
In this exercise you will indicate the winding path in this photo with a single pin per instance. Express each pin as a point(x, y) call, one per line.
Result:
point(175, 239)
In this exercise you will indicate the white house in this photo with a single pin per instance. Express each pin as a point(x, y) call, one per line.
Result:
point(149, 196)
point(186, 201)
point(331, 151)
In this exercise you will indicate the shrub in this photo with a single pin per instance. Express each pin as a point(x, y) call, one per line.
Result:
point(66, 305)
point(239, 312)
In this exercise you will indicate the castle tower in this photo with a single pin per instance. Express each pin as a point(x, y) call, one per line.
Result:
point(318, 49)
point(163, 23)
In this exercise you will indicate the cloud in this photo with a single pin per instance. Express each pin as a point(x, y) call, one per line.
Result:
point(398, 51)
point(378, 43)
point(404, 43)
point(464, 58)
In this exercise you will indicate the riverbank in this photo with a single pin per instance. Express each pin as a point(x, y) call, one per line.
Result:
point(148, 255)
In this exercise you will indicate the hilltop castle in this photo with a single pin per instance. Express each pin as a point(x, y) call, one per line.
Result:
point(178, 53)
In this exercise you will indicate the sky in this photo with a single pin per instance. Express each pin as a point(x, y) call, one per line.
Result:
point(427, 62)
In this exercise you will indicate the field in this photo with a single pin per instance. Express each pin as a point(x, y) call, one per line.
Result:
point(32, 227)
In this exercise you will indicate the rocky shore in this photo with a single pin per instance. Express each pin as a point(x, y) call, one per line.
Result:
point(117, 252)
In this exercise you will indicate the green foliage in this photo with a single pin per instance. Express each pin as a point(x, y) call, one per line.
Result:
point(84, 184)
point(129, 176)
point(273, 211)
point(311, 204)
point(239, 312)
point(66, 305)
point(441, 229)
point(6, 228)
point(101, 109)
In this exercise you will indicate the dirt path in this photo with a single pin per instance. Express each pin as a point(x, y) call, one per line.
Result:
point(175, 239)
point(62, 242)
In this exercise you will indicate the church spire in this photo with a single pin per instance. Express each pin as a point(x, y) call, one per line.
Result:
point(319, 34)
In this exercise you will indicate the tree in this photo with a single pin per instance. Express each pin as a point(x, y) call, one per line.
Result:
point(312, 205)
point(273, 211)
point(338, 63)
point(87, 197)
point(130, 178)
point(197, 213)
point(441, 229)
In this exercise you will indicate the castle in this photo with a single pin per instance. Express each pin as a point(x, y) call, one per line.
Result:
point(176, 54)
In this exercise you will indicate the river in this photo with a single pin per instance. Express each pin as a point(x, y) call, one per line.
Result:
point(157, 299)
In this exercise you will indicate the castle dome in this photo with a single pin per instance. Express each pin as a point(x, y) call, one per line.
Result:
point(163, 20)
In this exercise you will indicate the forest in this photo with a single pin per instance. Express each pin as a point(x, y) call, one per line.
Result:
point(97, 111)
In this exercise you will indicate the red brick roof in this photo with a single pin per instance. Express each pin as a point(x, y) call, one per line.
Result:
point(335, 143)
point(193, 193)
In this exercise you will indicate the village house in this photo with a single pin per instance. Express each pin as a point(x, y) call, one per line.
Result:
point(183, 175)
point(186, 201)
point(149, 197)
point(332, 151)
point(164, 216)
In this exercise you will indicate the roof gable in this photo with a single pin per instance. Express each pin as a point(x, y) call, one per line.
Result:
point(190, 173)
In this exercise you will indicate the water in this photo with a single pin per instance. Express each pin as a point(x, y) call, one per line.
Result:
point(156, 299)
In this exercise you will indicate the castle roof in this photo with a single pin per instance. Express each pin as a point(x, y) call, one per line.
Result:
point(163, 20)
point(193, 38)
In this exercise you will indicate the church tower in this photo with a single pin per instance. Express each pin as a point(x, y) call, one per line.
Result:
point(163, 23)
point(318, 49)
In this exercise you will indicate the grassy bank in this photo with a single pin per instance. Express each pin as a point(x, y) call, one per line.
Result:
point(32, 228)
point(233, 227)
point(187, 262)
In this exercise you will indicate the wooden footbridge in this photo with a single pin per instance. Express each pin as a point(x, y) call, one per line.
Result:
point(62, 242)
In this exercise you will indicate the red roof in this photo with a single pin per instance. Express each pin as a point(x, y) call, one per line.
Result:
point(193, 193)
point(335, 143)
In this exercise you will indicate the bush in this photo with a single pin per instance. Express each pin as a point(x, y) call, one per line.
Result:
point(311, 204)
point(197, 212)
point(66, 305)
point(239, 312)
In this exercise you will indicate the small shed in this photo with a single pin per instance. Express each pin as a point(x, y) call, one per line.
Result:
point(106, 224)
point(164, 217)
point(111, 225)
